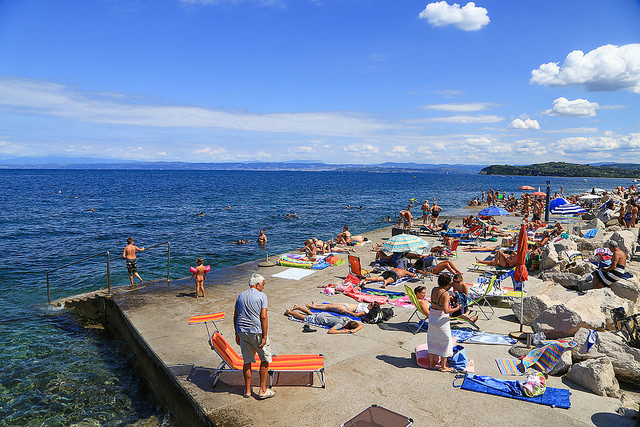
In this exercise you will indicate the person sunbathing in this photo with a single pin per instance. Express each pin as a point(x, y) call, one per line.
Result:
point(482, 248)
point(355, 310)
point(421, 296)
point(500, 260)
point(436, 269)
point(337, 324)
point(388, 277)
point(345, 237)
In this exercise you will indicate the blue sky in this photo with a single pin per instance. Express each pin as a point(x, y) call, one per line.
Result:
point(339, 81)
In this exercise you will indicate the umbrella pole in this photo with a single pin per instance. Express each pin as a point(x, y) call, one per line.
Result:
point(520, 335)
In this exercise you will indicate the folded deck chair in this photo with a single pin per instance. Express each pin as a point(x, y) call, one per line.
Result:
point(232, 361)
point(420, 315)
point(356, 268)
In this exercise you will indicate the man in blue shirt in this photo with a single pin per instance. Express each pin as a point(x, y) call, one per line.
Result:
point(250, 323)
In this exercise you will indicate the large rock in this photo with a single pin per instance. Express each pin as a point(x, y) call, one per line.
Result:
point(565, 245)
point(582, 268)
point(549, 257)
point(625, 359)
point(534, 305)
point(568, 280)
point(595, 223)
point(626, 240)
point(588, 246)
point(596, 375)
point(563, 365)
point(628, 289)
point(591, 310)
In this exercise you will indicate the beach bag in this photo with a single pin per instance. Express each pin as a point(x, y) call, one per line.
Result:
point(459, 360)
point(535, 385)
point(387, 313)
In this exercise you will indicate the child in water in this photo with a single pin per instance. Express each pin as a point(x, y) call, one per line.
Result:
point(200, 275)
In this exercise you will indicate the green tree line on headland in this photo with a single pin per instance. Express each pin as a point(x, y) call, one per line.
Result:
point(614, 170)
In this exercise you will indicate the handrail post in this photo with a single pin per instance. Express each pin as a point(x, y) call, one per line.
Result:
point(48, 292)
point(108, 272)
point(168, 261)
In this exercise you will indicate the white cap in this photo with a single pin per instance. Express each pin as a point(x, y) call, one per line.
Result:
point(255, 279)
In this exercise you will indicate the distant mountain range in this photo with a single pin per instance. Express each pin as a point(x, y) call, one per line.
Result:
point(601, 170)
point(293, 165)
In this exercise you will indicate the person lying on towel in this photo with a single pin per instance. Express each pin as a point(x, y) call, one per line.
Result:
point(606, 276)
point(355, 310)
point(388, 277)
point(337, 324)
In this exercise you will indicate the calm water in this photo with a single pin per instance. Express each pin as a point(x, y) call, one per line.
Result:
point(55, 370)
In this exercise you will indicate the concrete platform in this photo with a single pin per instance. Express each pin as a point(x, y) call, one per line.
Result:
point(374, 366)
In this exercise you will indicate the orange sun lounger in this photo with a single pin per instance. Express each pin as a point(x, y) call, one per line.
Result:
point(232, 361)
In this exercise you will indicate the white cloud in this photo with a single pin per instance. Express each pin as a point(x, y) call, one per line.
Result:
point(467, 18)
point(524, 124)
point(211, 151)
point(162, 153)
point(364, 149)
point(529, 148)
point(400, 151)
point(304, 149)
point(462, 119)
point(572, 130)
point(7, 147)
point(607, 68)
point(621, 144)
point(51, 99)
point(576, 108)
point(460, 108)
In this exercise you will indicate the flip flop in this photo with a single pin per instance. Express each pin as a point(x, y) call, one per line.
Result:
point(267, 394)
point(307, 328)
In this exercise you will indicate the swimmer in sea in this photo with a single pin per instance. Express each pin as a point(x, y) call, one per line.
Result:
point(287, 216)
point(238, 242)
point(201, 213)
point(262, 238)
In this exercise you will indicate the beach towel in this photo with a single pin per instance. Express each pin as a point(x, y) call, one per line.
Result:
point(328, 312)
point(397, 282)
point(404, 302)
point(383, 292)
point(293, 274)
point(557, 397)
point(509, 366)
point(470, 336)
point(359, 296)
point(591, 233)
point(439, 335)
point(545, 358)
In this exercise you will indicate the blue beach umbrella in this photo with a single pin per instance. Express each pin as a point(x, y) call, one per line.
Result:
point(493, 211)
point(568, 209)
point(404, 243)
point(557, 202)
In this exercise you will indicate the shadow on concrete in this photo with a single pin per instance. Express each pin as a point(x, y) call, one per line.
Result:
point(398, 362)
point(510, 318)
point(386, 326)
point(610, 419)
point(186, 294)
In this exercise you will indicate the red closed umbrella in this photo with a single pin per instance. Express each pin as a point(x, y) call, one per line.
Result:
point(521, 274)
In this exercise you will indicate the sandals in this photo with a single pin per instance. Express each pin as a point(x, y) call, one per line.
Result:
point(267, 394)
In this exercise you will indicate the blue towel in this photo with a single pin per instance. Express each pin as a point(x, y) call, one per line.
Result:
point(557, 397)
point(591, 233)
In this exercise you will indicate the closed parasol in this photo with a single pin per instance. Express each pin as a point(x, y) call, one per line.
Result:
point(521, 275)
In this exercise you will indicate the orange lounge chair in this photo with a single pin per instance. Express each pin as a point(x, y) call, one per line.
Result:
point(356, 268)
point(232, 361)
point(204, 318)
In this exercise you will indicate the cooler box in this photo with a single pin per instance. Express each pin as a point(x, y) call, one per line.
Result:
point(377, 416)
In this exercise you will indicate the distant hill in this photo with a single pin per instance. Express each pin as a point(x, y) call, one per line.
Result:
point(292, 165)
point(612, 170)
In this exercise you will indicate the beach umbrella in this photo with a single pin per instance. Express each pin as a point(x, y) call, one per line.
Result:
point(520, 274)
point(526, 187)
point(403, 243)
point(589, 197)
point(493, 211)
point(557, 202)
point(568, 209)
point(539, 193)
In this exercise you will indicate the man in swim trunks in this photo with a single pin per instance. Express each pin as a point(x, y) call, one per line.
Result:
point(500, 260)
point(388, 277)
point(129, 254)
point(338, 324)
point(425, 212)
point(606, 276)
point(262, 238)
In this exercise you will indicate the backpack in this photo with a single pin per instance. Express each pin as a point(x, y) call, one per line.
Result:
point(378, 316)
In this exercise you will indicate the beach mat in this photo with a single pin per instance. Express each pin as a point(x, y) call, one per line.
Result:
point(478, 337)
point(293, 274)
point(556, 397)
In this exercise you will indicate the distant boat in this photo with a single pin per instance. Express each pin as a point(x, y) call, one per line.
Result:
point(585, 180)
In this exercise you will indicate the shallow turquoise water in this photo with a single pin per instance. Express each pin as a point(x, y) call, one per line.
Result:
point(54, 371)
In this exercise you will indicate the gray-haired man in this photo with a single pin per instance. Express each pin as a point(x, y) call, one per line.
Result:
point(250, 323)
point(606, 276)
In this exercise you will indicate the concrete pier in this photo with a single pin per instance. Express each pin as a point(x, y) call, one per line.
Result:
point(374, 366)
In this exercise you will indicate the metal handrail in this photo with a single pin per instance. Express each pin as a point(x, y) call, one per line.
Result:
point(109, 266)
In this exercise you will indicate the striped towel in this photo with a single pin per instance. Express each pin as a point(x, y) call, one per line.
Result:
point(545, 358)
point(509, 366)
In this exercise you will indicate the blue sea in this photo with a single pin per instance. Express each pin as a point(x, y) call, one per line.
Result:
point(57, 369)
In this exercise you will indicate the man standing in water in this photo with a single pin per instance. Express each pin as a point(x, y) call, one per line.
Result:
point(250, 323)
point(130, 255)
